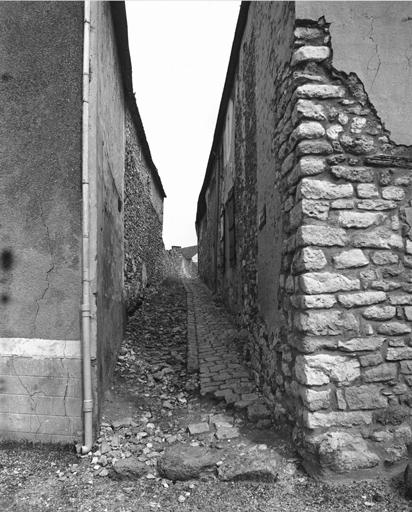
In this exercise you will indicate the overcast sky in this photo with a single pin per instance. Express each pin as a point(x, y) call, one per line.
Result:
point(180, 52)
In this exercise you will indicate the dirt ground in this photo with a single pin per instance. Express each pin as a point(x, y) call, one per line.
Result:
point(148, 408)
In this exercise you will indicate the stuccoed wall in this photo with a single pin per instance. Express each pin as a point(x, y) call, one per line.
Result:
point(107, 156)
point(40, 209)
point(143, 217)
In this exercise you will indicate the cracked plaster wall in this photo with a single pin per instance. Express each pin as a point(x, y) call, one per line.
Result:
point(374, 41)
point(40, 212)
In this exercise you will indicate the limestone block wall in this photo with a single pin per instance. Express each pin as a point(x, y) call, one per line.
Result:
point(144, 252)
point(346, 271)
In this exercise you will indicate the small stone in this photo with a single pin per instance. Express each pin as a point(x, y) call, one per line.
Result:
point(114, 442)
point(123, 422)
point(314, 420)
point(398, 353)
point(308, 109)
point(326, 323)
point(316, 370)
point(376, 204)
point(309, 259)
point(349, 219)
point(397, 300)
point(308, 130)
point(167, 405)
point(227, 433)
point(381, 373)
point(365, 397)
point(343, 204)
point(313, 301)
point(379, 238)
point(198, 428)
point(314, 147)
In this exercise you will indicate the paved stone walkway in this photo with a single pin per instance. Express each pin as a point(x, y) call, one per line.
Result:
point(213, 349)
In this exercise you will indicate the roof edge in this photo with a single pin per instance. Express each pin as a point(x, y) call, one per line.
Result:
point(118, 12)
point(227, 90)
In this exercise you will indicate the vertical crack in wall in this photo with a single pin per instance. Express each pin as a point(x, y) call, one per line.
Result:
point(52, 264)
point(369, 67)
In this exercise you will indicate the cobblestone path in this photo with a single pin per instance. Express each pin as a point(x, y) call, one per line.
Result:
point(214, 346)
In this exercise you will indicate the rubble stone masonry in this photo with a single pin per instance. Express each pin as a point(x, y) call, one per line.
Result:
point(346, 269)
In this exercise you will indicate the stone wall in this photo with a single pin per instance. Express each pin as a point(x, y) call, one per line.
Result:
point(143, 216)
point(346, 268)
point(323, 278)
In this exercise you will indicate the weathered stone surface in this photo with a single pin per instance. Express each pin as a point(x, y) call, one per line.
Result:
point(258, 411)
point(378, 239)
point(123, 422)
point(393, 193)
point(315, 400)
point(327, 282)
point(342, 452)
point(408, 313)
point(394, 329)
point(406, 367)
point(358, 145)
point(334, 131)
point(376, 204)
point(399, 353)
point(340, 418)
point(326, 323)
point(349, 219)
point(350, 259)
point(397, 300)
point(198, 428)
point(368, 191)
point(309, 344)
point(392, 415)
point(371, 360)
point(360, 344)
point(384, 258)
point(361, 299)
point(314, 147)
point(309, 259)
point(379, 312)
point(318, 189)
point(381, 373)
point(227, 432)
point(320, 91)
point(258, 466)
point(308, 130)
point(129, 468)
point(306, 53)
point(308, 208)
point(362, 174)
point(308, 109)
point(316, 370)
point(365, 397)
point(185, 462)
point(385, 285)
point(313, 301)
point(343, 204)
point(321, 235)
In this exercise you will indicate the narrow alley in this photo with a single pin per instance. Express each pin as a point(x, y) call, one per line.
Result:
point(183, 429)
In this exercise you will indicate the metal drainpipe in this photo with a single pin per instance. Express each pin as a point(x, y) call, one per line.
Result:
point(87, 374)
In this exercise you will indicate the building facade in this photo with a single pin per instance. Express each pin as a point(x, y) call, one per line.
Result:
point(304, 222)
point(67, 114)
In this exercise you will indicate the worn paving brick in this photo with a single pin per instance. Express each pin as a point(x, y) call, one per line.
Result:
point(222, 371)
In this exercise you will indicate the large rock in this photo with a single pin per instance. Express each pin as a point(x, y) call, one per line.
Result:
point(362, 174)
point(256, 466)
point(186, 462)
point(342, 452)
point(359, 344)
point(379, 312)
point(314, 420)
point(327, 282)
point(315, 400)
point(130, 468)
point(349, 219)
point(394, 329)
point(381, 373)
